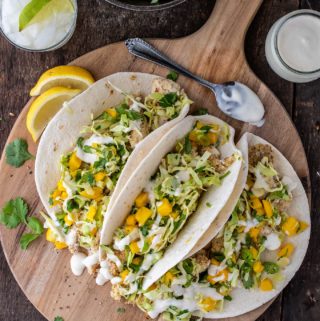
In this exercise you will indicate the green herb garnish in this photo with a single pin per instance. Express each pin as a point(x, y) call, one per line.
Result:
point(14, 212)
point(17, 153)
point(58, 319)
point(172, 75)
point(271, 267)
point(168, 100)
point(200, 112)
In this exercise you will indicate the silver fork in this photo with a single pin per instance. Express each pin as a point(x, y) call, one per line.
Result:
point(233, 98)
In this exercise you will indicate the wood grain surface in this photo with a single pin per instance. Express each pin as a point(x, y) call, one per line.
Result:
point(37, 255)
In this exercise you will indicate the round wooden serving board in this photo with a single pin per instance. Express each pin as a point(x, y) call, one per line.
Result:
point(215, 52)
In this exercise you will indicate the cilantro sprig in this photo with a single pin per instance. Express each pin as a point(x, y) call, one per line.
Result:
point(58, 319)
point(14, 213)
point(172, 75)
point(17, 153)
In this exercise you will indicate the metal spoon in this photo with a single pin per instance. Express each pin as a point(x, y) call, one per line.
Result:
point(233, 98)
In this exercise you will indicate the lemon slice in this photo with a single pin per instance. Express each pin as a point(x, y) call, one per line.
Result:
point(45, 107)
point(67, 76)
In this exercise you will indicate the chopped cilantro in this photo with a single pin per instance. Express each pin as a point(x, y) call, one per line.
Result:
point(168, 100)
point(200, 112)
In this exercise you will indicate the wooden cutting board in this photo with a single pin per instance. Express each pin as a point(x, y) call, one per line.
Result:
point(216, 53)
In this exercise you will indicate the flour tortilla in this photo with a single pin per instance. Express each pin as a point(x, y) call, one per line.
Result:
point(225, 213)
point(63, 130)
point(200, 221)
point(244, 300)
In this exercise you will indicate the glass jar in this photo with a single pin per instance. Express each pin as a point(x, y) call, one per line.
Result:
point(288, 50)
point(48, 34)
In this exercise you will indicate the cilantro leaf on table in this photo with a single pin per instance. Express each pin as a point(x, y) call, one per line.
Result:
point(35, 225)
point(200, 111)
point(172, 75)
point(26, 239)
point(17, 153)
point(13, 213)
point(58, 319)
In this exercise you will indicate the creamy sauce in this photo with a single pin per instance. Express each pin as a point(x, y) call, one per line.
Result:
point(189, 300)
point(94, 139)
point(122, 243)
point(149, 189)
point(240, 102)
point(104, 274)
point(299, 42)
point(272, 242)
point(182, 176)
point(76, 263)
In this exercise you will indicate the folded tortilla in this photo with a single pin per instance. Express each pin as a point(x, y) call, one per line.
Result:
point(63, 130)
point(244, 300)
point(200, 221)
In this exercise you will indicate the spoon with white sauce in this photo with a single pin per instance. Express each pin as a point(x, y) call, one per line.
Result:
point(233, 98)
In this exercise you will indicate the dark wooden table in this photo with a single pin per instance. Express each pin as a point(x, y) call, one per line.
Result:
point(100, 23)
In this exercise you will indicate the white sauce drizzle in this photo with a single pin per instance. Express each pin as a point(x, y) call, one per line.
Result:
point(94, 139)
point(76, 263)
point(272, 242)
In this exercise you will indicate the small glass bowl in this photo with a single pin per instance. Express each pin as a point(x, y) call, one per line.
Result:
point(55, 46)
point(274, 59)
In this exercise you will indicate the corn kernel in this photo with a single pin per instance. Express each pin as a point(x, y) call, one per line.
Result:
point(213, 137)
point(255, 203)
point(254, 252)
point(91, 213)
point(137, 260)
point(193, 136)
point(303, 226)
point(96, 193)
point(258, 267)
point(60, 245)
point(129, 228)
point(134, 247)
point(74, 162)
point(260, 211)
point(143, 215)
point(199, 124)
point(124, 274)
point(174, 215)
point(254, 233)
point(214, 262)
point(267, 208)
point(266, 285)
point(168, 278)
point(68, 221)
point(165, 208)
point(100, 176)
point(64, 195)
point(50, 237)
point(142, 199)
point(221, 275)
point(94, 231)
point(286, 250)
point(112, 112)
point(290, 226)
point(152, 287)
point(207, 304)
point(60, 186)
point(131, 220)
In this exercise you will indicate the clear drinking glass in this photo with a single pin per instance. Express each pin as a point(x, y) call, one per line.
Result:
point(31, 42)
point(274, 58)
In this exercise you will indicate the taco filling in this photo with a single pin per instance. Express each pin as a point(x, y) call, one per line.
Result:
point(251, 252)
point(90, 171)
point(163, 207)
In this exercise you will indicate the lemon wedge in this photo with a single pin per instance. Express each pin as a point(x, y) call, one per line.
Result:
point(67, 76)
point(44, 107)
